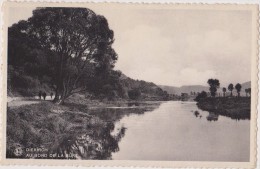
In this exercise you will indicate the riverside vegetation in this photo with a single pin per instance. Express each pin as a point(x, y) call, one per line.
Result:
point(234, 107)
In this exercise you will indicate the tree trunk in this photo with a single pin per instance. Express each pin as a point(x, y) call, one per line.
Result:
point(60, 96)
point(57, 95)
point(59, 100)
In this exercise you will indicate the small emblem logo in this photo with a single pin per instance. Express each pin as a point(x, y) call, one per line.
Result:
point(18, 151)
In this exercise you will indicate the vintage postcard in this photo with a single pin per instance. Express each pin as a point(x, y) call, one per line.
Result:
point(120, 84)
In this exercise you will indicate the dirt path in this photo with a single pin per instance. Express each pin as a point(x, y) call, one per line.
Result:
point(20, 101)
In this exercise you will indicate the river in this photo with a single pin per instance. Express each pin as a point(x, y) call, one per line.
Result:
point(174, 132)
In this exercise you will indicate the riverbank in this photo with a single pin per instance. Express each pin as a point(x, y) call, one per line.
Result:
point(233, 107)
point(81, 128)
point(60, 131)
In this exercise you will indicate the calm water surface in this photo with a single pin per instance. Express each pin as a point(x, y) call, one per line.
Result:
point(174, 132)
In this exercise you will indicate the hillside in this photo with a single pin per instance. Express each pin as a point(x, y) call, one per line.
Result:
point(184, 89)
point(146, 90)
point(246, 85)
point(114, 86)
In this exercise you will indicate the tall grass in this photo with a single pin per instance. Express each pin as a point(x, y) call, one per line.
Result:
point(60, 130)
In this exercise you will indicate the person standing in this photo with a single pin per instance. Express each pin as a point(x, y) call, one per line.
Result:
point(40, 94)
point(44, 95)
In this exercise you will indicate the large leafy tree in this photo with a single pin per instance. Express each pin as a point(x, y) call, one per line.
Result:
point(76, 44)
point(214, 85)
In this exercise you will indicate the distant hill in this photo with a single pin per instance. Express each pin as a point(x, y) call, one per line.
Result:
point(170, 89)
point(246, 85)
point(184, 89)
point(197, 88)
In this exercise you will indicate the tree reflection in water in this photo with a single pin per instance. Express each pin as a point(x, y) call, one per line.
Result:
point(97, 144)
point(95, 140)
point(212, 117)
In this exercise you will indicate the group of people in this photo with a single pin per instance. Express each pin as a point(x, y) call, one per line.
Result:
point(43, 94)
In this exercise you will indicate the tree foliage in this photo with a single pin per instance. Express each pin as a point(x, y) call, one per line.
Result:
point(134, 94)
point(238, 88)
point(231, 88)
point(70, 45)
point(201, 95)
point(214, 85)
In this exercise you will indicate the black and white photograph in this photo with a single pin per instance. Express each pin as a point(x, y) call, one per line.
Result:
point(145, 82)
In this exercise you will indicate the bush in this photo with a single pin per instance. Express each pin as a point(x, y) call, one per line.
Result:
point(25, 85)
point(201, 95)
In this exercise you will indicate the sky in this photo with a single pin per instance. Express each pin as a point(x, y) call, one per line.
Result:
point(176, 47)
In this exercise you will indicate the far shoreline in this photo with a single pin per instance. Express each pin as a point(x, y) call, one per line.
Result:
point(233, 107)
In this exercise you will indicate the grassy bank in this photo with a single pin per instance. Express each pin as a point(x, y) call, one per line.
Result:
point(82, 128)
point(234, 107)
point(60, 130)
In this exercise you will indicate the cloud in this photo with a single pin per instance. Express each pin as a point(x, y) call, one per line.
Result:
point(193, 76)
point(143, 52)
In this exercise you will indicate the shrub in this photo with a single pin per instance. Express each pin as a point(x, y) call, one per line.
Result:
point(201, 95)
